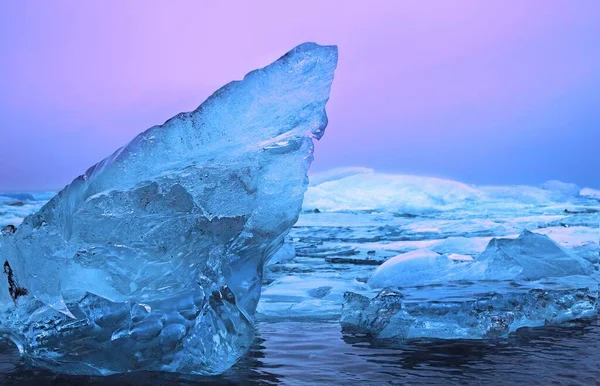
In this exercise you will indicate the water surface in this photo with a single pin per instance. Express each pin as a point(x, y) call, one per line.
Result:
point(297, 353)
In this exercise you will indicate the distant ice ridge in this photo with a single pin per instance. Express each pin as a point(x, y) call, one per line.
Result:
point(591, 193)
point(351, 189)
point(528, 281)
point(153, 259)
point(14, 207)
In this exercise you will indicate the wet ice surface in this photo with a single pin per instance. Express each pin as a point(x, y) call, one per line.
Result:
point(334, 249)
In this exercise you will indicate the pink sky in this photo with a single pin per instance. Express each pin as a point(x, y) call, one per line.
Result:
point(480, 91)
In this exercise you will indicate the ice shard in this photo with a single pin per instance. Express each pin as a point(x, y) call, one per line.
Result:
point(153, 259)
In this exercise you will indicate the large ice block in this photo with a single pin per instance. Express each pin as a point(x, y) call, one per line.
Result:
point(153, 259)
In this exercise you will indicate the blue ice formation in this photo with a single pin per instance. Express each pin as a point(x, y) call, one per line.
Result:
point(463, 310)
point(531, 256)
point(528, 281)
point(153, 259)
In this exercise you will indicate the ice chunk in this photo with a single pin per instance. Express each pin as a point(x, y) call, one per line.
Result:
point(302, 297)
point(410, 269)
point(470, 311)
point(530, 256)
point(526, 281)
point(461, 245)
point(153, 259)
point(371, 316)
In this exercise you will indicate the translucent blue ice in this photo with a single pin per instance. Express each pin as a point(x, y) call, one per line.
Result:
point(465, 310)
point(153, 259)
point(531, 256)
point(527, 281)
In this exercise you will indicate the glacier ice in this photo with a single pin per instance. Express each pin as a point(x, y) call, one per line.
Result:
point(153, 259)
point(515, 282)
point(336, 174)
point(363, 189)
point(353, 189)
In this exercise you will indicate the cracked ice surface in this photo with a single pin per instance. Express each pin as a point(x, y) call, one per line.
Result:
point(153, 259)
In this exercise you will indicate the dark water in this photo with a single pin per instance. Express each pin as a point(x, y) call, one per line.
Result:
point(294, 353)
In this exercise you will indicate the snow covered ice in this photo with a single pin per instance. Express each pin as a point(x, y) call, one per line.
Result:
point(153, 259)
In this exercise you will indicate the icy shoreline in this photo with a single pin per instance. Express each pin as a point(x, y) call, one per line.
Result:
point(333, 250)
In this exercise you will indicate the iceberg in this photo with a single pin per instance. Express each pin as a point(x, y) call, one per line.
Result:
point(153, 259)
point(527, 281)
point(362, 189)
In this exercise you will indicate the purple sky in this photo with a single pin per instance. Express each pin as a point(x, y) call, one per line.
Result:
point(479, 91)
